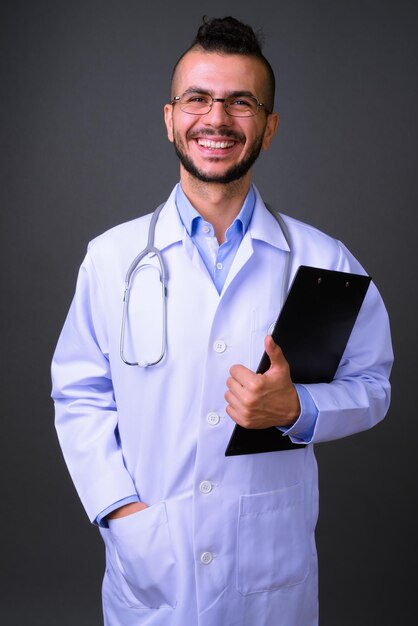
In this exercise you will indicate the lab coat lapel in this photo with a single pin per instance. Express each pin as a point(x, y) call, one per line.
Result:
point(242, 256)
point(263, 227)
point(169, 229)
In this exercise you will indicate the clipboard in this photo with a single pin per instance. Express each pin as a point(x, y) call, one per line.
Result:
point(312, 330)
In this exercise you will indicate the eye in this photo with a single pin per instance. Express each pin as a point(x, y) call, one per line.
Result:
point(196, 98)
point(241, 102)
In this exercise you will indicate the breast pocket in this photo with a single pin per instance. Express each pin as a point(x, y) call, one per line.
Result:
point(273, 541)
point(143, 558)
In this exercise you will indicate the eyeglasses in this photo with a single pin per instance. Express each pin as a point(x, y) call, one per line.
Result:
point(197, 103)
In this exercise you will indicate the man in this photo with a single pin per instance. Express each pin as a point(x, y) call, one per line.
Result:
point(194, 537)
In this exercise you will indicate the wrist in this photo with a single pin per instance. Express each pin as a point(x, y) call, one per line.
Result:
point(127, 509)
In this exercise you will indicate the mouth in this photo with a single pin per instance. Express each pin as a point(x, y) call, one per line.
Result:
point(215, 145)
point(219, 142)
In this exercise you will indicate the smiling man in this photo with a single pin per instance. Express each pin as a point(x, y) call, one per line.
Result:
point(149, 385)
point(221, 146)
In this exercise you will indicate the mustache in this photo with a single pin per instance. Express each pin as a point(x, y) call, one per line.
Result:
point(211, 132)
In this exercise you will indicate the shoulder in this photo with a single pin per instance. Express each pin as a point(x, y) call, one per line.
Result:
point(302, 238)
point(122, 234)
point(305, 231)
point(315, 247)
point(131, 236)
point(109, 254)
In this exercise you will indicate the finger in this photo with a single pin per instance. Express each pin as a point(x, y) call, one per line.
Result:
point(234, 386)
point(235, 395)
point(233, 401)
point(233, 414)
point(241, 398)
point(242, 374)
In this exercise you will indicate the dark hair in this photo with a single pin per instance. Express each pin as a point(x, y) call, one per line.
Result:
point(228, 35)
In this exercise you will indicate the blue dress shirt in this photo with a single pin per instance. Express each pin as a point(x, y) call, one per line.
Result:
point(217, 258)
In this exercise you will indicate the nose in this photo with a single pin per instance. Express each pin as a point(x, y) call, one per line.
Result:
point(217, 116)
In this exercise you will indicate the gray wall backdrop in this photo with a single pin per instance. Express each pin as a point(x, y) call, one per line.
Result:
point(83, 148)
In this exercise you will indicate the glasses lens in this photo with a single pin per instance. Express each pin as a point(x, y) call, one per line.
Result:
point(241, 106)
point(195, 103)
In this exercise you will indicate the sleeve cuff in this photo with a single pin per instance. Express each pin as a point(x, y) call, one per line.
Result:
point(101, 518)
point(303, 429)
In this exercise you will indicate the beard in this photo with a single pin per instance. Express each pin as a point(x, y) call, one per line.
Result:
point(235, 172)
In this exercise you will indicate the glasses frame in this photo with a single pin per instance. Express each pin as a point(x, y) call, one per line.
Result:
point(260, 105)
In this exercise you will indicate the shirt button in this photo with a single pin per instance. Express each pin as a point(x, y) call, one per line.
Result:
point(219, 266)
point(206, 558)
point(219, 346)
point(213, 418)
point(205, 486)
point(206, 228)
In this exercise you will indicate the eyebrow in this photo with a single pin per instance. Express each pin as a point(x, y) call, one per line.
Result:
point(231, 94)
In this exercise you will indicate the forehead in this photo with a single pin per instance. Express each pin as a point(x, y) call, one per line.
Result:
point(220, 73)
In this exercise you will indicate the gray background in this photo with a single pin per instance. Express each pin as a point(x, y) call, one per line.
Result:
point(83, 148)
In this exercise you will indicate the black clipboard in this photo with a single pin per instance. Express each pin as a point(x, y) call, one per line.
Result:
point(312, 329)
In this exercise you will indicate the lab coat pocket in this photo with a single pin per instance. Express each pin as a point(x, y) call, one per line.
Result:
point(273, 541)
point(144, 555)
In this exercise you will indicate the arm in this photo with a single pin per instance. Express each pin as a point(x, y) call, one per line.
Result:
point(127, 509)
point(359, 396)
point(355, 400)
point(85, 408)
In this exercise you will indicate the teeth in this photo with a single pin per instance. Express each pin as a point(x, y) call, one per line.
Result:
point(207, 143)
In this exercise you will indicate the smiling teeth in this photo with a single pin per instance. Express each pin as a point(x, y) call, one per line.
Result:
point(206, 143)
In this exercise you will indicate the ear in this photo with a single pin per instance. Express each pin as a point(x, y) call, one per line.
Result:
point(168, 118)
point(271, 128)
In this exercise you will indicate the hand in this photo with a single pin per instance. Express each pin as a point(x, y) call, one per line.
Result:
point(263, 400)
point(127, 509)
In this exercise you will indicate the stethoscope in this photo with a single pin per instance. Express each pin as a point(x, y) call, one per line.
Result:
point(151, 251)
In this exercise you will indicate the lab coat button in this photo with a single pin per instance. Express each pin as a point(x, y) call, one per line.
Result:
point(213, 418)
point(206, 558)
point(205, 486)
point(219, 346)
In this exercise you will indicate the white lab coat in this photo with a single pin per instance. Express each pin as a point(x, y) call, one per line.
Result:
point(227, 541)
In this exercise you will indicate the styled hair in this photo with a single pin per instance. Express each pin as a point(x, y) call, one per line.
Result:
point(228, 35)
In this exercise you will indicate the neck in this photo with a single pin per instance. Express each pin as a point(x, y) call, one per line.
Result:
point(217, 203)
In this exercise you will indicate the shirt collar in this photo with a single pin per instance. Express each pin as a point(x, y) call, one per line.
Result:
point(190, 217)
point(262, 225)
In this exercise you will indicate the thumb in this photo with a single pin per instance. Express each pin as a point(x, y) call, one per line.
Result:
point(274, 352)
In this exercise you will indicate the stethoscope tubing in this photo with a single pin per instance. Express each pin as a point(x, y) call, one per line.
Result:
point(151, 250)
